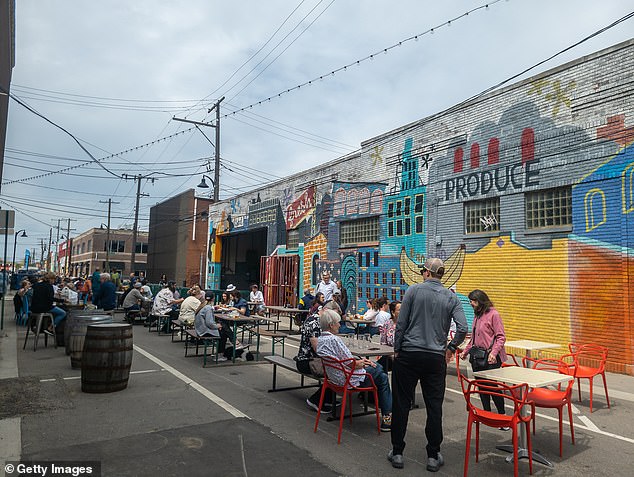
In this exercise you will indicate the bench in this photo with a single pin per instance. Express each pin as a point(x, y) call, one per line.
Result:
point(276, 338)
point(290, 365)
point(191, 335)
point(270, 321)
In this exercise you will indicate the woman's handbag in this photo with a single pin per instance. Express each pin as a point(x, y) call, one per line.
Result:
point(479, 357)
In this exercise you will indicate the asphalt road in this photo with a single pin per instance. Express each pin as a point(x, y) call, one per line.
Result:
point(177, 418)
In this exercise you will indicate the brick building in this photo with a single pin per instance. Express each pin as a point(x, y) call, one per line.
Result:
point(526, 192)
point(178, 235)
point(88, 251)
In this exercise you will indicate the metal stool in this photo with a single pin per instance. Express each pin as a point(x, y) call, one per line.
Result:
point(38, 319)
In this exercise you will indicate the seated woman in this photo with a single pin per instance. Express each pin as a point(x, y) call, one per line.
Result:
point(206, 325)
point(189, 307)
point(329, 344)
point(382, 317)
point(225, 300)
point(317, 302)
point(370, 313)
point(387, 333)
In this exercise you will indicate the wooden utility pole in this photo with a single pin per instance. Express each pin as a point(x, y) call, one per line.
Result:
point(108, 231)
point(216, 106)
point(138, 179)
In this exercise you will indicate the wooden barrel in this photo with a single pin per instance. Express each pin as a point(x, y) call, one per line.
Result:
point(106, 358)
point(78, 327)
point(71, 316)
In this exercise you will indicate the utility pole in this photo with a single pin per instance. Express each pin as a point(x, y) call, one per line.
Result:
point(108, 231)
point(69, 248)
point(136, 178)
point(50, 255)
point(216, 106)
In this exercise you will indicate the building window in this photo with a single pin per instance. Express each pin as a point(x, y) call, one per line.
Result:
point(292, 240)
point(360, 259)
point(408, 226)
point(393, 278)
point(376, 259)
point(360, 292)
point(140, 247)
point(549, 208)
point(482, 215)
point(393, 294)
point(360, 278)
point(88, 247)
point(419, 224)
point(418, 204)
point(384, 278)
point(390, 209)
point(359, 231)
point(116, 246)
point(376, 278)
point(376, 293)
point(390, 228)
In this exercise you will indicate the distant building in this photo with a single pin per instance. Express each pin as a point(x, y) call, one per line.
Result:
point(7, 61)
point(178, 234)
point(88, 251)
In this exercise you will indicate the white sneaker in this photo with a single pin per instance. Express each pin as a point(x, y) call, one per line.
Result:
point(221, 359)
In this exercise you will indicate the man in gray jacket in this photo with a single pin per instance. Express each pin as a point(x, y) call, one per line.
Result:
point(421, 354)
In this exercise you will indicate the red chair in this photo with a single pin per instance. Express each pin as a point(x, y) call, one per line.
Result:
point(588, 353)
point(514, 359)
point(551, 398)
point(474, 389)
point(344, 369)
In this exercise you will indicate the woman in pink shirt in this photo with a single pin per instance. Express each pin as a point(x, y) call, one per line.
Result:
point(488, 333)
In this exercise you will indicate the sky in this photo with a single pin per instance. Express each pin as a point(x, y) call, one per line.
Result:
point(115, 73)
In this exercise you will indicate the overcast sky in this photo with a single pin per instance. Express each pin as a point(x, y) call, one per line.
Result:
point(114, 73)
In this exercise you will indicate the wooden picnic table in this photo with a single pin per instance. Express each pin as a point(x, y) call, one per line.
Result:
point(235, 320)
point(279, 310)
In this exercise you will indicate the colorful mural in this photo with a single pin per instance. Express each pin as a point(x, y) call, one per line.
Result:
point(527, 193)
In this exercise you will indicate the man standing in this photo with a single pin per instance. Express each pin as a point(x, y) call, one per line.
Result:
point(96, 285)
point(421, 354)
point(106, 295)
point(326, 286)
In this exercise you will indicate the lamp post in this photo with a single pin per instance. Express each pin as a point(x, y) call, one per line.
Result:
point(15, 241)
point(204, 185)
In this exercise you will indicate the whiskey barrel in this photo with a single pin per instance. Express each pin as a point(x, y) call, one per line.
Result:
point(71, 317)
point(106, 358)
point(78, 326)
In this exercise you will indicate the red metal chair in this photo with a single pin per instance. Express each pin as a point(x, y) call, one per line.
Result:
point(514, 363)
point(588, 353)
point(335, 369)
point(477, 415)
point(551, 398)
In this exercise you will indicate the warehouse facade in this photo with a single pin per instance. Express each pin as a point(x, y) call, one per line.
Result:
point(526, 192)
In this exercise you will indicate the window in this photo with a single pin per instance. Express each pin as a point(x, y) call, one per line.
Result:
point(393, 278)
point(549, 208)
point(360, 259)
point(390, 228)
point(384, 278)
point(116, 246)
point(360, 292)
point(292, 240)
point(419, 224)
point(393, 294)
point(482, 215)
point(358, 231)
point(408, 226)
point(418, 204)
point(390, 209)
point(360, 278)
point(140, 247)
point(376, 293)
point(88, 247)
point(376, 278)
point(408, 201)
point(376, 259)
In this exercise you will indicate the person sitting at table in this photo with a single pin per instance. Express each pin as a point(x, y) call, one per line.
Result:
point(331, 345)
point(197, 292)
point(387, 334)
point(43, 298)
point(317, 302)
point(106, 295)
point(239, 303)
point(164, 303)
point(343, 297)
point(225, 300)
point(189, 307)
point(307, 361)
point(145, 290)
point(382, 316)
point(206, 325)
point(306, 301)
point(256, 297)
point(134, 299)
point(488, 333)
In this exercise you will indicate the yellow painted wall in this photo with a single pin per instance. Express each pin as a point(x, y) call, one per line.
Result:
point(529, 288)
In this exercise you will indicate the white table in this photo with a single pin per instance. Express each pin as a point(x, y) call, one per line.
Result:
point(535, 378)
point(529, 346)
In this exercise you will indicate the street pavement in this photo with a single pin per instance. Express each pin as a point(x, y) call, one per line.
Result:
point(177, 418)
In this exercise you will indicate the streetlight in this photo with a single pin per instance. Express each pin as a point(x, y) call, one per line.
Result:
point(15, 241)
point(203, 184)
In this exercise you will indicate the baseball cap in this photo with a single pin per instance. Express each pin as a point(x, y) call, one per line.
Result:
point(434, 265)
point(138, 284)
point(209, 295)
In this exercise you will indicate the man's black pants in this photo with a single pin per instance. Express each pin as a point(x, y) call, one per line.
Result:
point(408, 369)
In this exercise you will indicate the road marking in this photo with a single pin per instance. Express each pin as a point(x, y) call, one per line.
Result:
point(190, 382)
point(588, 427)
point(69, 378)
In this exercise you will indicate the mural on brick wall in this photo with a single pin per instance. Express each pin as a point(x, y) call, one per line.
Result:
point(533, 203)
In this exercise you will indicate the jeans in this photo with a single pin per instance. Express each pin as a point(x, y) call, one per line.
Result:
point(431, 370)
point(383, 386)
point(58, 315)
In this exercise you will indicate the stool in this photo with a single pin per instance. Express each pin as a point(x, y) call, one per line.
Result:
point(38, 318)
point(276, 337)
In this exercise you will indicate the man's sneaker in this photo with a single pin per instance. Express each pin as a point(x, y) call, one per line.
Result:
point(395, 459)
point(325, 407)
point(222, 358)
point(504, 428)
point(386, 423)
point(433, 465)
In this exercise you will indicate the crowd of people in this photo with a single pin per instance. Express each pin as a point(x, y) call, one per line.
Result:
point(418, 330)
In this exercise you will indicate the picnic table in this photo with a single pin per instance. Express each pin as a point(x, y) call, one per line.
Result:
point(279, 310)
point(236, 321)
